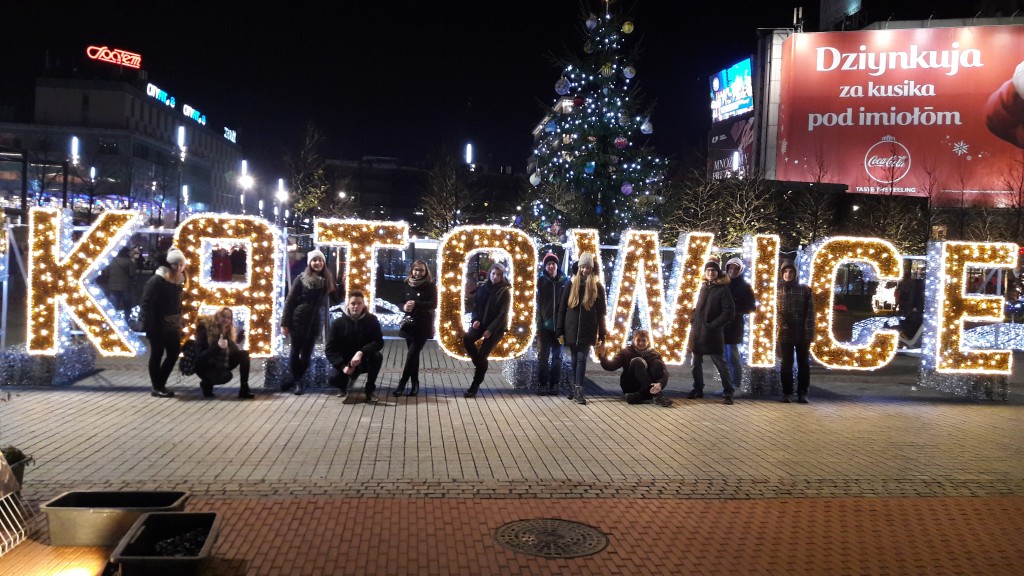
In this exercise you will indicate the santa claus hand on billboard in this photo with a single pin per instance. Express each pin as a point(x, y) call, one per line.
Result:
point(1004, 111)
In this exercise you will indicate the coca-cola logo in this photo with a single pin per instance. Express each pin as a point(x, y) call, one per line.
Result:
point(887, 161)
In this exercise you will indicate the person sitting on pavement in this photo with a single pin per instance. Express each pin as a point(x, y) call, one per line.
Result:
point(219, 351)
point(354, 346)
point(644, 375)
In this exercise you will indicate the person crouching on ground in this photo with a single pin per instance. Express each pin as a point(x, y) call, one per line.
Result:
point(489, 321)
point(644, 375)
point(219, 351)
point(714, 310)
point(581, 320)
point(354, 345)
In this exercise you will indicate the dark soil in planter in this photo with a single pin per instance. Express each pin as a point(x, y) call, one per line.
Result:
point(187, 544)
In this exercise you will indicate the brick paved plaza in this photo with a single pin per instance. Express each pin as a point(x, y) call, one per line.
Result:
point(872, 477)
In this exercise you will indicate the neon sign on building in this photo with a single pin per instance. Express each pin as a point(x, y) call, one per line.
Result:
point(193, 114)
point(153, 91)
point(114, 56)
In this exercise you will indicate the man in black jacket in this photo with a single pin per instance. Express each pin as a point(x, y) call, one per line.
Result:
point(796, 332)
point(714, 310)
point(550, 285)
point(743, 299)
point(354, 346)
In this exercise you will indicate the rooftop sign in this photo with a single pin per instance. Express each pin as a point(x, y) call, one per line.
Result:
point(114, 56)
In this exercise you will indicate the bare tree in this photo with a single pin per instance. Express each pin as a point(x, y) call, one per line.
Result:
point(930, 187)
point(448, 200)
point(308, 179)
point(695, 203)
point(748, 207)
point(1014, 182)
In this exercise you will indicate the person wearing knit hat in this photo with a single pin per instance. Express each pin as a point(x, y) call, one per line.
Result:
point(161, 315)
point(795, 313)
point(581, 320)
point(550, 285)
point(303, 313)
point(743, 300)
point(713, 311)
point(492, 302)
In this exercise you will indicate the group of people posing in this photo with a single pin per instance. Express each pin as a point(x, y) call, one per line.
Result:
point(570, 313)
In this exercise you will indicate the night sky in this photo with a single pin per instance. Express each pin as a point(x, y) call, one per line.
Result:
point(387, 78)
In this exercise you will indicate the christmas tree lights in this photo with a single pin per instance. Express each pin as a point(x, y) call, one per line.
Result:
point(255, 301)
point(63, 287)
point(763, 275)
point(453, 255)
point(586, 241)
point(826, 257)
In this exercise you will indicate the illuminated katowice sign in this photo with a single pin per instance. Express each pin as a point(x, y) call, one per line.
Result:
point(114, 56)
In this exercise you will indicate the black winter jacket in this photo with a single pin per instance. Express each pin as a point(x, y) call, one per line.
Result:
point(425, 298)
point(304, 307)
point(743, 299)
point(549, 298)
point(491, 307)
point(161, 305)
point(795, 313)
point(348, 336)
point(582, 327)
point(713, 311)
point(655, 365)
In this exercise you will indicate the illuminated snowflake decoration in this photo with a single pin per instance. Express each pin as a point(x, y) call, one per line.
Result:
point(960, 148)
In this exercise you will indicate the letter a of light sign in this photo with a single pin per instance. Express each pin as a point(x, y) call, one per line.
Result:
point(114, 56)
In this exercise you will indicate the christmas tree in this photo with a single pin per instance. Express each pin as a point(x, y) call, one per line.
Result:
point(593, 142)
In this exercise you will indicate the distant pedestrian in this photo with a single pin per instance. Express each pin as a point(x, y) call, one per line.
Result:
point(221, 271)
point(303, 312)
point(581, 320)
point(796, 332)
point(354, 345)
point(239, 261)
point(644, 374)
point(550, 287)
point(121, 282)
point(713, 311)
point(492, 302)
point(219, 351)
point(161, 312)
point(419, 299)
point(743, 300)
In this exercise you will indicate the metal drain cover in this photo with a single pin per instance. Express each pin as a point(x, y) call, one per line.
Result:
point(551, 538)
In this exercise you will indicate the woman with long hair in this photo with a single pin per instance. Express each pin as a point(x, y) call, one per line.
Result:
point(581, 321)
point(303, 310)
point(219, 351)
point(419, 302)
point(492, 302)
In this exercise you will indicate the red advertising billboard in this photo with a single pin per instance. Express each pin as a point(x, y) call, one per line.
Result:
point(912, 111)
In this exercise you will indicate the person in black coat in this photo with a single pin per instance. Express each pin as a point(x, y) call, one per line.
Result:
point(161, 314)
point(492, 302)
point(420, 302)
point(743, 299)
point(219, 351)
point(550, 286)
point(354, 345)
point(795, 313)
point(581, 320)
point(713, 311)
point(303, 310)
point(644, 375)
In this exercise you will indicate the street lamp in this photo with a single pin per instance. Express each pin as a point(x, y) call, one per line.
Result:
point(181, 162)
point(281, 195)
point(245, 181)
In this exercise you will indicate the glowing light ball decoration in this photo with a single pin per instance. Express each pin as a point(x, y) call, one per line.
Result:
point(453, 254)
point(59, 283)
point(693, 250)
point(362, 239)
point(259, 295)
point(763, 275)
point(951, 307)
point(826, 258)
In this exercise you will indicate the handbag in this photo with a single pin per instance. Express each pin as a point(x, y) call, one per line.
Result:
point(187, 363)
point(407, 325)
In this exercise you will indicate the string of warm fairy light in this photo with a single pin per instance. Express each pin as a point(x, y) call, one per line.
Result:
point(826, 258)
point(693, 250)
point(951, 307)
point(361, 239)
point(636, 281)
point(258, 295)
point(453, 254)
point(587, 241)
point(57, 283)
point(763, 276)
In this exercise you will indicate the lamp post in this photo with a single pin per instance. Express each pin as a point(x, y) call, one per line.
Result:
point(181, 162)
point(245, 181)
point(92, 189)
point(282, 196)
